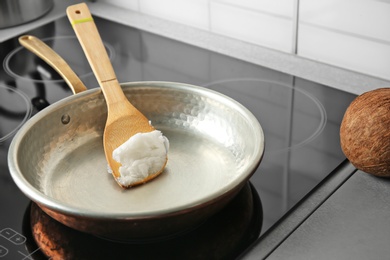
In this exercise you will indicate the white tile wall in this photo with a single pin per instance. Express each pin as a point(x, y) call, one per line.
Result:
point(364, 18)
point(190, 12)
point(351, 34)
point(267, 23)
point(272, 7)
point(263, 22)
point(262, 28)
point(128, 4)
point(345, 50)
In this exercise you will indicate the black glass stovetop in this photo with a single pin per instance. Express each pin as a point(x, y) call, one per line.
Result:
point(300, 120)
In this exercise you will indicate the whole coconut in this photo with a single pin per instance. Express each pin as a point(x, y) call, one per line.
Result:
point(365, 132)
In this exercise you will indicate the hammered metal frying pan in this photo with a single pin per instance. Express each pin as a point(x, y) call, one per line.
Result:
point(216, 144)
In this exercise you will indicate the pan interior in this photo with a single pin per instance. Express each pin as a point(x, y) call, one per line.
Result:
point(196, 168)
point(213, 147)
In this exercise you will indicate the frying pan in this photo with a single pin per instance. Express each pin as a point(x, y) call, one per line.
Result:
point(216, 144)
point(57, 160)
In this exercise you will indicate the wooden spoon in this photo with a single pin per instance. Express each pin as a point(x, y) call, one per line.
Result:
point(123, 120)
point(54, 60)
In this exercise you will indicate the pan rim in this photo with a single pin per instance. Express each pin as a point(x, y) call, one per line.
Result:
point(42, 199)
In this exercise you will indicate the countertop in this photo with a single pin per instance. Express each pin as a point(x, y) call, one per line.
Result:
point(345, 221)
point(351, 224)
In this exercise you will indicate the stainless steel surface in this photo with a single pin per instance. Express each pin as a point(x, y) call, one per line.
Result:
point(351, 224)
point(216, 144)
point(16, 12)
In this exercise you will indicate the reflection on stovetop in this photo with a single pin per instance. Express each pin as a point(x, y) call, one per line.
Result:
point(300, 118)
point(223, 236)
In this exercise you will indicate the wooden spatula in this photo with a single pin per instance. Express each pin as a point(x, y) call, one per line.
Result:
point(123, 120)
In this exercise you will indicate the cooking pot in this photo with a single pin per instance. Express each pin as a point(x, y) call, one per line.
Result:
point(16, 12)
point(216, 144)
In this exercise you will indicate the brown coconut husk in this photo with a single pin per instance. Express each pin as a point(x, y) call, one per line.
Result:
point(365, 132)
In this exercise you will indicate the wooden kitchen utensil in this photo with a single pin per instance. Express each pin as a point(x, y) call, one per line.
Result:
point(123, 120)
point(47, 54)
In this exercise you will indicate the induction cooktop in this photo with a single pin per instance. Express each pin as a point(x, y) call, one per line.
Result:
point(300, 119)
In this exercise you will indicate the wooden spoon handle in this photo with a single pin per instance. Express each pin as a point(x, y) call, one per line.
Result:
point(47, 54)
point(92, 44)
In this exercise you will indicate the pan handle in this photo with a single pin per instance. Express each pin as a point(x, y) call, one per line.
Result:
point(47, 54)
